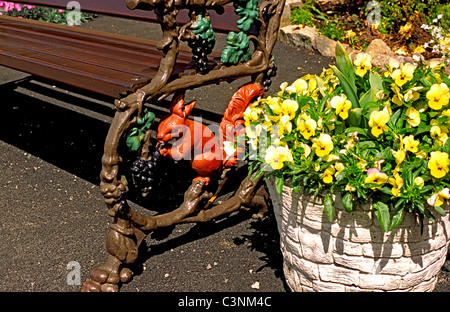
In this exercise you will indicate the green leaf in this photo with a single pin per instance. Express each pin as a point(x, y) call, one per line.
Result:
point(385, 190)
point(134, 142)
point(328, 206)
point(440, 211)
point(376, 85)
point(395, 117)
point(371, 185)
point(423, 129)
point(349, 90)
point(397, 218)
point(381, 210)
point(425, 211)
point(344, 63)
point(268, 110)
point(355, 117)
point(360, 131)
point(258, 174)
point(288, 138)
point(425, 82)
point(149, 117)
point(347, 202)
point(279, 182)
point(367, 144)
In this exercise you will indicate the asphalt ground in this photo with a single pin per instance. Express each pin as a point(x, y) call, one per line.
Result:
point(53, 218)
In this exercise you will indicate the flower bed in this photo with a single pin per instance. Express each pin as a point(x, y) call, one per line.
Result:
point(365, 133)
point(51, 15)
point(407, 26)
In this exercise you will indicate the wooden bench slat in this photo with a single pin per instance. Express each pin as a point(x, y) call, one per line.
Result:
point(140, 47)
point(115, 60)
point(102, 55)
point(83, 55)
point(102, 80)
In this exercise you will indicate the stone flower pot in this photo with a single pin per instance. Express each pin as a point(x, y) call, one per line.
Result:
point(352, 253)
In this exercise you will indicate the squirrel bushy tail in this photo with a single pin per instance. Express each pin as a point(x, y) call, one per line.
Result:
point(232, 123)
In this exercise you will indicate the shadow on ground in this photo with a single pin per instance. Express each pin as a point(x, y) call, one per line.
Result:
point(68, 132)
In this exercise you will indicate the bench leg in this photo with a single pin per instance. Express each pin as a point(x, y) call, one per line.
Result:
point(129, 229)
point(123, 240)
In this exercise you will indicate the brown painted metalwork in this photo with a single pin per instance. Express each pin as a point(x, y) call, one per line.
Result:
point(164, 69)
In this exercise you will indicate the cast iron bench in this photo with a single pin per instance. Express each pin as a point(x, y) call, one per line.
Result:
point(135, 71)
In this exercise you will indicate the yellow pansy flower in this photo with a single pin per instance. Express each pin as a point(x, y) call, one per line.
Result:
point(284, 125)
point(276, 156)
point(338, 167)
point(421, 154)
point(378, 121)
point(398, 97)
point(307, 128)
point(299, 86)
point(312, 85)
point(406, 30)
point(323, 145)
point(341, 105)
point(413, 117)
point(409, 96)
point(438, 164)
point(351, 142)
point(289, 108)
point(331, 157)
point(438, 135)
point(446, 112)
point(306, 149)
point(252, 113)
point(376, 176)
point(350, 188)
point(412, 95)
point(349, 34)
point(411, 144)
point(399, 156)
point(438, 96)
point(327, 176)
point(403, 74)
point(362, 163)
point(419, 182)
point(397, 183)
point(419, 49)
point(392, 65)
point(438, 199)
point(363, 63)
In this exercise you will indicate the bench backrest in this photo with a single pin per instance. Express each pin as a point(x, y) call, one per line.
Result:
point(222, 23)
point(255, 22)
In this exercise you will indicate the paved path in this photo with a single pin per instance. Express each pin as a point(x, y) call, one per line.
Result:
point(53, 216)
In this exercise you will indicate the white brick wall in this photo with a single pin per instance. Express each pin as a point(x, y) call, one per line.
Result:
point(352, 253)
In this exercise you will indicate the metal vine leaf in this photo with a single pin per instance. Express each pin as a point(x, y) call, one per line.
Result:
point(238, 49)
point(137, 133)
point(249, 12)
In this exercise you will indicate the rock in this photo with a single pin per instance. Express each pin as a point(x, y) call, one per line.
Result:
point(255, 285)
point(380, 52)
point(288, 6)
point(298, 36)
point(325, 46)
point(294, 3)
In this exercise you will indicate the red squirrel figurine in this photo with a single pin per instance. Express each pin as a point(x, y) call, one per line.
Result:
point(197, 142)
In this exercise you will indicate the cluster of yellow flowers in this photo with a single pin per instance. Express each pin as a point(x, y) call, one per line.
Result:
point(291, 123)
point(275, 115)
